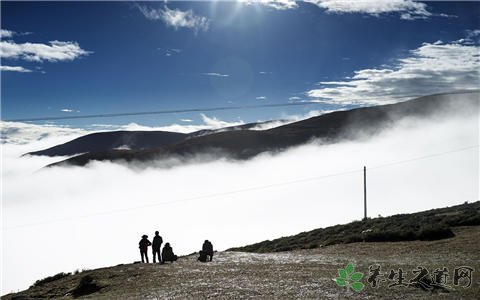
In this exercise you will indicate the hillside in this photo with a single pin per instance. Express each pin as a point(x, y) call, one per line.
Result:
point(105, 141)
point(330, 128)
point(131, 140)
point(427, 225)
point(285, 275)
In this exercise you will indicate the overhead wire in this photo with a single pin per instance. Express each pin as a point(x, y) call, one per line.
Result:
point(159, 112)
point(208, 109)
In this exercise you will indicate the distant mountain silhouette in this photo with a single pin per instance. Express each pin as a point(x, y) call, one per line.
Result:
point(129, 140)
point(331, 128)
point(105, 141)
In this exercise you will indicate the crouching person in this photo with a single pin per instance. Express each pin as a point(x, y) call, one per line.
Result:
point(167, 254)
point(207, 252)
point(203, 256)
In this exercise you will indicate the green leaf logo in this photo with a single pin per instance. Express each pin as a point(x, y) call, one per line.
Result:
point(349, 278)
point(358, 286)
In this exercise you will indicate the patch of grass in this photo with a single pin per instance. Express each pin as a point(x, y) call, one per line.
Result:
point(86, 286)
point(428, 225)
point(55, 277)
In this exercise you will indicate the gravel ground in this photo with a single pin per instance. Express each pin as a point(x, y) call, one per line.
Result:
point(297, 274)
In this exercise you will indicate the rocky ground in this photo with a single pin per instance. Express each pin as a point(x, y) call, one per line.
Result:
point(295, 274)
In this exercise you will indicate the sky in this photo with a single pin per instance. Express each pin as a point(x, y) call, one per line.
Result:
point(67, 59)
point(74, 59)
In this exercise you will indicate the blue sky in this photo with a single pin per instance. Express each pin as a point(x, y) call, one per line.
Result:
point(125, 56)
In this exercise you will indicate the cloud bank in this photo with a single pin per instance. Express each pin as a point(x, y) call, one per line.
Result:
point(405, 9)
point(408, 9)
point(431, 68)
point(276, 4)
point(207, 123)
point(17, 133)
point(6, 33)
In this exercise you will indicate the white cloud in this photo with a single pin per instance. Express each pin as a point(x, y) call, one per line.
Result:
point(207, 123)
point(177, 18)
point(290, 118)
point(272, 124)
point(24, 133)
point(68, 110)
point(294, 98)
point(228, 220)
point(408, 9)
point(432, 68)
point(277, 4)
point(55, 51)
point(261, 98)
point(215, 123)
point(216, 74)
point(310, 114)
point(170, 51)
point(17, 133)
point(6, 33)
point(473, 33)
point(15, 69)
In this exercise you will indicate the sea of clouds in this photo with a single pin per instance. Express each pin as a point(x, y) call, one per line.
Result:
point(66, 218)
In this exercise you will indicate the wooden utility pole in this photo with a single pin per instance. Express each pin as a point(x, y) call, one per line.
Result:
point(364, 193)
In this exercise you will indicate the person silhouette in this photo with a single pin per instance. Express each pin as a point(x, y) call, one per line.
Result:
point(156, 245)
point(143, 245)
point(207, 250)
point(167, 254)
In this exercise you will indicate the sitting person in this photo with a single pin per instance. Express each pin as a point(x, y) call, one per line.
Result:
point(207, 250)
point(203, 256)
point(167, 254)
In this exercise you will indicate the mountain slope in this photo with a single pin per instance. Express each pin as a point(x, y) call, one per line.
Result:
point(427, 225)
point(306, 273)
point(131, 140)
point(332, 127)
point(104, 141)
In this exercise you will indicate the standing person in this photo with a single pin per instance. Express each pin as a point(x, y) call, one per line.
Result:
point(207, 249)
point(157, 244)
point(143, 245)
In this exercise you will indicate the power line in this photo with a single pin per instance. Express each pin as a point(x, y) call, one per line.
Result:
point(204, 109)
point(159, 112)
point(421, 157)
point(215, 195)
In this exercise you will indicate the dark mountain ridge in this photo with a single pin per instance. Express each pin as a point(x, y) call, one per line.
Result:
point(104, 141)
point(129, 140)
point(330, 128)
